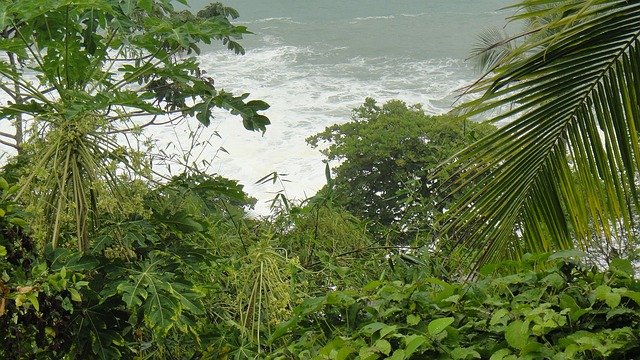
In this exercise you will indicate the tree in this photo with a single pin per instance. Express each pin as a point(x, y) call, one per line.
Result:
point(566, 165)
point(84, 75)
point(386, 157)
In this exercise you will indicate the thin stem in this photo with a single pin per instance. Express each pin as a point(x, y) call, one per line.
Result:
point(18, 137)
point(61, 201)
point(41, 163)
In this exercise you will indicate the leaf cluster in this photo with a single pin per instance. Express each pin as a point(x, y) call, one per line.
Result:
point(564, 311)
point(387, 155)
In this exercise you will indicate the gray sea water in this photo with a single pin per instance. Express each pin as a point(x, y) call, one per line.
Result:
point(314, 61)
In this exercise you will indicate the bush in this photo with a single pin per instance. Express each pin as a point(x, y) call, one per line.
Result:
point(565, 311)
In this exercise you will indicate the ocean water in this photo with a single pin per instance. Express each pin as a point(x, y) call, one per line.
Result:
point(314, 61)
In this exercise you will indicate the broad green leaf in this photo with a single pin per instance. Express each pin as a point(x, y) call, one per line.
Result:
point(3, 251)
point(412, 343)
point(437, 326)
point(586, 340)
point(517, 334)
point(567, 302)
point(576, 314)
point(623, 266)
point(32, 296)
point(383, 346)
point(146, 5)
point(567, 254)
point(633, 295)
point(190, 300)
point(413, 319)
point(310, 305)
point(399, 354)
point(465, 353)
point(19, 222)
point(554, 280)
point(500, 317)
point(162, 311)
point(384, 329)
point(612, 299)
point(606, 294)
point(283, 328)
point(368, 353)
point(344, 353)
point(502, 354)
point(133, 294)
point(370, 329)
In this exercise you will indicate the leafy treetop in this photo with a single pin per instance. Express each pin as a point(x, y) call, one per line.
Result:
point(387, 155)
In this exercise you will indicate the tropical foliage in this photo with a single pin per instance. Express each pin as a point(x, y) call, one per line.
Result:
point(80, 76)
point(562, 171)
point(386, 158)
point(526, 315)
point(102, 258)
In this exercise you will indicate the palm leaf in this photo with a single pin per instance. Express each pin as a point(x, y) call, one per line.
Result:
point(564, 166)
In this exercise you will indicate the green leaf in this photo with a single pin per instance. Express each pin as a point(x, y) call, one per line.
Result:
point(162, 311)
point(413, 319)
point(517, 334)
point(18, 222)
point(500, 317)
point(310, 305)
point(283, 328)
point(146, 5)
point(133, 295)
point(501, 354)
point(383, 346)
point(567, 254)
point(4, 185)
point(75, 295)
point(399, 354)
point(190, 300)
point(606, 294)
point(412, 343)
point(623, 266)
point(465, 353)
point(33, 299)
point(3, 251)
point(384, 329)
point(633, 295)
point(437, 326)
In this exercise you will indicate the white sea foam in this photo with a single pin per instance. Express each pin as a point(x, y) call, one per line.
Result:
point(313, 65)
point(372, 18)
point(307, 96)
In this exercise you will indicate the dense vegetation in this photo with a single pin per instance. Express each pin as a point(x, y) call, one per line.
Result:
point(102, 257)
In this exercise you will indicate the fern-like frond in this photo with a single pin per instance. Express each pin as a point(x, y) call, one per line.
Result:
point(565, 165)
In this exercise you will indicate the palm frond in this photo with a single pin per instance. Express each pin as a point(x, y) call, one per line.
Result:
point(565, 165)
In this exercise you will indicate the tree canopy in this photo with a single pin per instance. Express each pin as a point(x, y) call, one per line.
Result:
point(386, 159)
point(82, 75)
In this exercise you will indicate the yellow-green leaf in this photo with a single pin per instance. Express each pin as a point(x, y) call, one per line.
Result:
point(413, 319)
point(75, 295)
point(437, 326)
